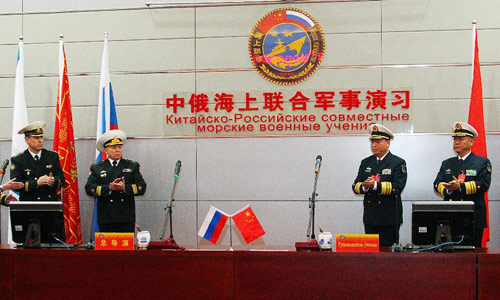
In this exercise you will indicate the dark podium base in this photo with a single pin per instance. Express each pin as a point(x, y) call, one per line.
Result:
point(168, 244)
point(311, 245)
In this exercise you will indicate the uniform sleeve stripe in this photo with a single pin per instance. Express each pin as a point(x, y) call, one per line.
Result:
point(357, 188)
point(134, 189)
point(441, 188)
point(386, 188)
point(470, 188)
point(26, 184)
point(98, 190)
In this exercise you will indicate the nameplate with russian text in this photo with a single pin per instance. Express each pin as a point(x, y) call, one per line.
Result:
point(357, 243)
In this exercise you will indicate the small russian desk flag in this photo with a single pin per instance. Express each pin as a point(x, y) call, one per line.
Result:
point(213, 225)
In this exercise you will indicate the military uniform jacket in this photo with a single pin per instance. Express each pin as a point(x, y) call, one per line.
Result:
point(382, 207)
point(477, 172)
point(26, 170)
point(113, 206)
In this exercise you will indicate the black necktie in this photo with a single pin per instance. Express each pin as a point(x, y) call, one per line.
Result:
point(36, 158)
point(115, 163)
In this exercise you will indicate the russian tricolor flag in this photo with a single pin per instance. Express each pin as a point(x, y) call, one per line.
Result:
point(213, 225)
point(106, 115)
point(106, 112)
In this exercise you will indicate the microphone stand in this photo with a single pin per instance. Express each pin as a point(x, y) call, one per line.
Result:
point(312, 243)
point(168, 243)
point(4, 167)
point(1, 177)
point(312, 206)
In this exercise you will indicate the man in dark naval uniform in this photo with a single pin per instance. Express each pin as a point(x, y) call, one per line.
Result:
point(466, 177)
point(37, 168)
point(381, 178)
point(115, 182)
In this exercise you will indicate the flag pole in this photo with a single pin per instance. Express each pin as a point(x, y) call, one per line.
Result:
point(474, 33)
point(230, 234)
point(59, 104)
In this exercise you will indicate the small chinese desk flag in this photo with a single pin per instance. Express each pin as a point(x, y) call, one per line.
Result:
point(247, 223)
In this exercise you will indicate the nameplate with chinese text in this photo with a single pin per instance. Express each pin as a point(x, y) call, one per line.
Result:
point(114, 241)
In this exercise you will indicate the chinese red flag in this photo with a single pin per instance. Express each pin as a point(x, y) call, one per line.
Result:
point(64, 145)
point(248, 225)
point(476, 119)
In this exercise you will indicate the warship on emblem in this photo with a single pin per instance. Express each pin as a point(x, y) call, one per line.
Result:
point(286, 46)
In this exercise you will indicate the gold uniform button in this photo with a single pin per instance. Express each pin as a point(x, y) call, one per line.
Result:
point(369, 201)
point(111, 200)
point(379, 202)
point(38, 198)
point(36, 178)
point(50, 196)
point(122, 200)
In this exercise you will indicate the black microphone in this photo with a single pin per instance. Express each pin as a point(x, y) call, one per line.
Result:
point(318, 164)
point(177, 169)
point(4, 166)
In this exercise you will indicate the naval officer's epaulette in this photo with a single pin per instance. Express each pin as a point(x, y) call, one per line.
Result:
point(20, 153)
point(98, 163)
point(131, 161)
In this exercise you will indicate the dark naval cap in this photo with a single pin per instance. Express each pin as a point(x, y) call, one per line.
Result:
point(380, 132)
point(33, 129)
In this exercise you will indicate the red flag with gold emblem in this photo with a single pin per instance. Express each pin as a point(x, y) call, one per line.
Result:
point(248, 225)
point(64, 145)
point(476, 119)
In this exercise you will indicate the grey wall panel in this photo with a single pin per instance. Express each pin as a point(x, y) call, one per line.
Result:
point(6, 130)
point(322, 80)
point(431, 83)
point(343, 49)
point(494, 148)
point(40, 92)
point(9, 59)
point(222, 53)
point(6, 93)
point(90, 26)
point(151, 217)
point(150, 55)
point(340, 17)
point(494, 228)
point(438, 15)
point(433, 116)
point(10, 28)
point(352, 49)
point(492, 115)
point(13, 6)
point(427, 47)
point(64, 5)
point(127, 89)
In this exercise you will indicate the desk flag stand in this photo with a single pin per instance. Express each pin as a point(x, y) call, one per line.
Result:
point(312, 243)
point(168, 243)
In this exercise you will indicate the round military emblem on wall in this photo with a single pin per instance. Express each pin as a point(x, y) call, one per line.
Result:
point(286, 46)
